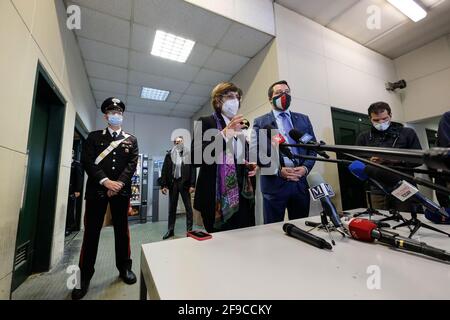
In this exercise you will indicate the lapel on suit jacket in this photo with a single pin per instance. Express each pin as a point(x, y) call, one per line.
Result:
point(271, 119)
point(295, 118)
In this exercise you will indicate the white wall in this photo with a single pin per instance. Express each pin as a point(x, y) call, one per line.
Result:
point(254, 79)
point(153, 132)
point(427, 73)
point(326, 69)
point(32, 31)
point(323, 69)
point(257, 14)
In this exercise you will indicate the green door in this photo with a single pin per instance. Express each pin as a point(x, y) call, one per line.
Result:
point(35, 229)
point(347, 126)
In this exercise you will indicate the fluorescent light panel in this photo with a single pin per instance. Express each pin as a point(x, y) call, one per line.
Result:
point(409, 8)
point(169, 46)
point(154, 94)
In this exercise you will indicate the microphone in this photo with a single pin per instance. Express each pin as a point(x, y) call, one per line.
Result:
point(320, 190)
point(367, 231)
point(394, 185)
point(306, 138)
point(280, 141)
point(295, 232)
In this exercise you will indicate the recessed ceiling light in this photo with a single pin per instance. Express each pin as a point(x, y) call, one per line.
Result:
point(409, 8)
point(171, 47)
point(154, 94)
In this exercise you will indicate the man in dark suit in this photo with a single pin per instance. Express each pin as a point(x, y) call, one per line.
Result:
point(75, 186)
point(110, 158)
point(178, 177)
point(287, 187)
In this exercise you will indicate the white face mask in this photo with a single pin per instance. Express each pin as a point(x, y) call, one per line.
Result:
point(230, 108)
point(382, 126)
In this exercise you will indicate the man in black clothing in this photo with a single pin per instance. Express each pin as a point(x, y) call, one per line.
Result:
point(75, 186)
point(443, 141)
point(387, 134)
point(110, 158)
point(178, 177)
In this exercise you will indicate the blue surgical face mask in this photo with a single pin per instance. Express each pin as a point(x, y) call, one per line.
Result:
point(115, 119)
point(382, 126)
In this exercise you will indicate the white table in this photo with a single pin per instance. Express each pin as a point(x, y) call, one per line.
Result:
point(264, 263)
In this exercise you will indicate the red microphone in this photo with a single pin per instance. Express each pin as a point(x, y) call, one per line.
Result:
point(361, 229)
point(368, 231)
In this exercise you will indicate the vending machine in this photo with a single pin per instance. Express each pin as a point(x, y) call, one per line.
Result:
point(139, 191)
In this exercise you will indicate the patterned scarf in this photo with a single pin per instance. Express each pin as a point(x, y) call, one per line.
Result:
point(227, 189)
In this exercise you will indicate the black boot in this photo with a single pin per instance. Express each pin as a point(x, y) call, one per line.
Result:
point(128, 277)
point(78, 294)
point(169, 234)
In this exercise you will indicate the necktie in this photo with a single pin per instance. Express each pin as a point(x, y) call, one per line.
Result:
point(287, 127)
point(114, 136)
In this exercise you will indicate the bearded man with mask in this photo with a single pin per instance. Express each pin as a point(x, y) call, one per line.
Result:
point(286, 188)
point(386, 134)
point(110, 158)
point(178, 177)
point(226, 181)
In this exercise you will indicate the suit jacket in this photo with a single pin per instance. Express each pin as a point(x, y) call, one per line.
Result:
point(205, 191)
point(119, 165)
point(273, 184)
point(76, 177)
point(188, 173)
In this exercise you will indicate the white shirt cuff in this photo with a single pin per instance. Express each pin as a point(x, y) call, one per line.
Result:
point(103, 180)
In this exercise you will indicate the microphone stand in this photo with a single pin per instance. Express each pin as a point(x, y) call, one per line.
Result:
point(417, 224)
point(324, 224)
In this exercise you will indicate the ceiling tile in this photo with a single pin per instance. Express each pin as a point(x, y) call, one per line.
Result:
point(181, 107)
point(226, 62)
point(183, 19)
point(100, 52)
point(116, 88)
point(104, 28)
point(117, 8)
point(162, 67)
point(157, 82)
point(199, 90)
point(193, 100)
point(138, 102)
point(135, 92)
point(353, 23)
point(102, 96)
point(211, 78)
point(244, 41)
point(199, 55)
point(107, 72)
point(142, 38)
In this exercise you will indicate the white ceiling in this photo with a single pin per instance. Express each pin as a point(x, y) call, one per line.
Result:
point(116, 38)
point(398, 34)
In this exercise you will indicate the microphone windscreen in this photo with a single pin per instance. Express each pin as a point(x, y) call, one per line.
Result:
point(314, 179)
point(437, 218)
point(361, 229)
point(295, 134)
point(357, 169)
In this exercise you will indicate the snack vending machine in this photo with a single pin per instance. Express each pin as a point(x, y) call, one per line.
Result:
point(139, 191)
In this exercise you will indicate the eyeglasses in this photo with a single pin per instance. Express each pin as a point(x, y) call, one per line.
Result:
point(231, 96)
point(279, 92)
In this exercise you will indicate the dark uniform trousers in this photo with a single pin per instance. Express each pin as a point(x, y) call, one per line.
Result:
point(93, 222)
point(178, 188)
point(119, 165)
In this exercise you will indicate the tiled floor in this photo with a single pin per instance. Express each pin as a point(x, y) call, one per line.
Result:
point(105, 285)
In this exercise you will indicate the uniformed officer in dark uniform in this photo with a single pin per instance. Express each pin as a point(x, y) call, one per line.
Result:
point(110, 158)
